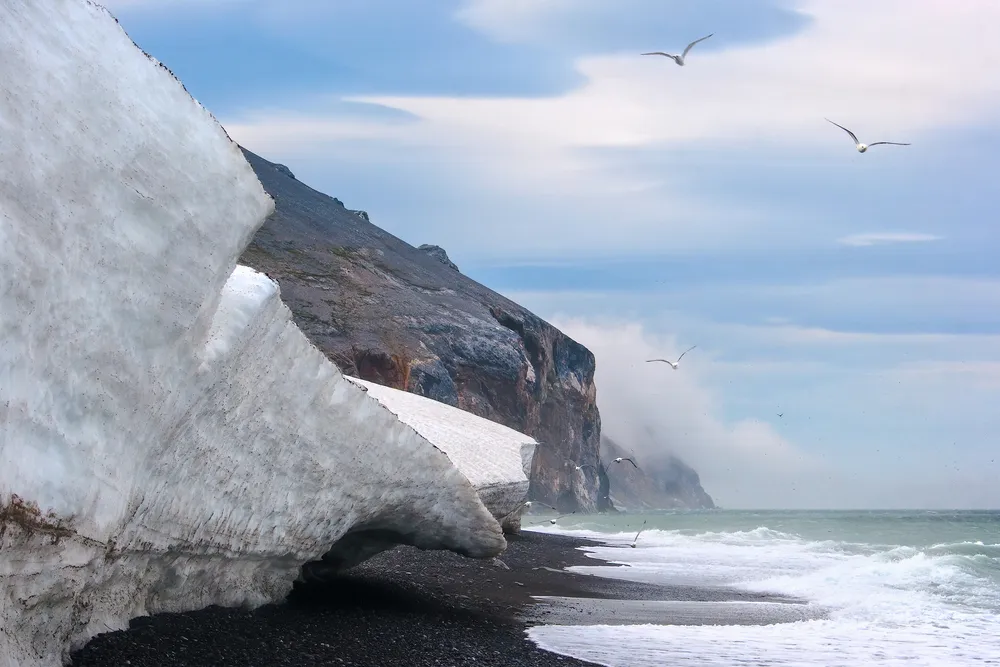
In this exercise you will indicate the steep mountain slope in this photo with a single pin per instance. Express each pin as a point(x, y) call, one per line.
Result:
point(405, 317)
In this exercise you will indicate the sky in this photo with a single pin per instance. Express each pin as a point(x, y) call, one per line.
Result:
point(644, 207)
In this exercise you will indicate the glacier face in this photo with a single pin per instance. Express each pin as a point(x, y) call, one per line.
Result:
point(169, 439)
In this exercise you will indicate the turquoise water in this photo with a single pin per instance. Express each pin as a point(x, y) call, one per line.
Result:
point(914, 588)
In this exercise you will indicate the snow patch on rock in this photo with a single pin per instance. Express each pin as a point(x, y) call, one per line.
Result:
point(496, 459)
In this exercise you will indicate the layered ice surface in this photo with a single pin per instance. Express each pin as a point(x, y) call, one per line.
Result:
point(495, 458)
point(169, 439)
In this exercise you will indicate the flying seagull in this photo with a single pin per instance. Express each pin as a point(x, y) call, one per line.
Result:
point(587, 465)
point(863, 147)
point(528, 503)
point(638, 534)
point(678, 59)
point(673, 364)
point(623, 458)
point(552, 521)
point(780, 415)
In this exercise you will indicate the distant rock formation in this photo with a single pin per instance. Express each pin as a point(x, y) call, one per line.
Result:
point(438, 253)
point(284, 170)
point(396, 315)
point(662, 481)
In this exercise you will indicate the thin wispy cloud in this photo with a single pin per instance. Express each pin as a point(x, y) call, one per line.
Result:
point(514, 20)
point(589, 144)
point(733, 93)
point(884, 238)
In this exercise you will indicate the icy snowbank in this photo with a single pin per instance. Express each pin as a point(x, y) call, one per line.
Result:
point(495, 458)
point(168, 438)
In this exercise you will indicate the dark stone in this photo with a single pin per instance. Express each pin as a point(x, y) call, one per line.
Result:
point(284, 170)
point(438, 253)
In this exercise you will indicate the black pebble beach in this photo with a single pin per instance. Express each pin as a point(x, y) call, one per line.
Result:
point(404, 607)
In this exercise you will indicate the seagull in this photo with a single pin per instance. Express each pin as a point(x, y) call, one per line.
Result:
point(552, 521)
point(863, 147)
point(673, 364)
point(678, 59)
point(528, 503)
point(638, 534)
point(587, 465)
point(780, 415)
point(623, 458)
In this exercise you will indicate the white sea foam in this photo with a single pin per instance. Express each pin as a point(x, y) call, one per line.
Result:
point(881, 605)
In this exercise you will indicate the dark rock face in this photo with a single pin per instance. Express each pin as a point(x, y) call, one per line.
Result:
point(284, 170)
point(438, 253)
point(662, 481)
point(390, 313)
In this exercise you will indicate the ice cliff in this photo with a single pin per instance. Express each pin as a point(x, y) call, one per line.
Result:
point(169, 439)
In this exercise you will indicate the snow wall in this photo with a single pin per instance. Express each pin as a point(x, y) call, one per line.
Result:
point(495, 458)
point(169, 439)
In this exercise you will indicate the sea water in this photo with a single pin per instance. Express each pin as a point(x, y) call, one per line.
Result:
point(883, 588)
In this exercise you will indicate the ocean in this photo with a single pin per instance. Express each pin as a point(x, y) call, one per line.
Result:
point(878, 588)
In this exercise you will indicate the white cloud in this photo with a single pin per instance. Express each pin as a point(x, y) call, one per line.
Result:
point(677, 406)
point(812, 313)
point(971, 376)
point(535, 151)
point(890, 434)
point(883, 238)
point(512, 20)
point(844, 65)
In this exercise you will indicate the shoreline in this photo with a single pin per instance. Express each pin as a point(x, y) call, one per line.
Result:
point(409, 607)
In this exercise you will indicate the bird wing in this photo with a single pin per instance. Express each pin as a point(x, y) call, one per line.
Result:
point(640, 531)
point(695, 42)
point(632, 462)
point(891, 143)
point(856, 142)
point(657, 53)
point(663, 360)
point(685, 352)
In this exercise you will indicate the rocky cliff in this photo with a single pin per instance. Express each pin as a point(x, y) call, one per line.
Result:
point(407, 318)
point(662, 480)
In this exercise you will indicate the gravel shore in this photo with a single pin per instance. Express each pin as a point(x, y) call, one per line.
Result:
point(403, 607)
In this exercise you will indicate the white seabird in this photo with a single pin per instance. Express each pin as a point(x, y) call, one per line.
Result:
point(638, 534)
point(529, 503)
point(626, 458)
point(673, 364)
point(863, 147)
point(678, 59)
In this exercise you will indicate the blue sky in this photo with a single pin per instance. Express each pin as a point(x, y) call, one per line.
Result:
point(645, 207)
